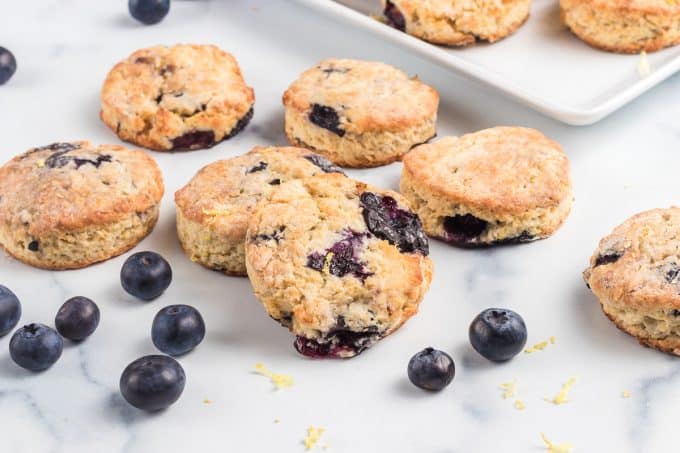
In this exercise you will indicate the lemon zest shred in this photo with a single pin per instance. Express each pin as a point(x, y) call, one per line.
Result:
point(519, 405)
point(552, 339)
point(537, 347)
point(280, 381)
point(625, 394)
point(556, 448)
point(207, 401)
point(509, 389)
point(327, 263)
point(313, 436)
point(562, 396)
point(40, 163)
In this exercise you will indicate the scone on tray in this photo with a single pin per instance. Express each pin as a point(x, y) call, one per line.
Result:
point(359, 113)
point(182, 97)
point(624, 26)
point(456, 22)
point(214, 207)
point(340, 263)
point(635, 275)
point(69, 205)
point(497, 186)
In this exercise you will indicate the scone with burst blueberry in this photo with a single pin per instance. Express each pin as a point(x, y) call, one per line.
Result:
point(340, 263)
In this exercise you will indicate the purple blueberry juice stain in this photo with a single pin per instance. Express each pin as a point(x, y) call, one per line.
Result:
point(327, 118)
point(337, 344)
point(60, 159)
point(276, 235)
point(341, 258)
point(398, 226)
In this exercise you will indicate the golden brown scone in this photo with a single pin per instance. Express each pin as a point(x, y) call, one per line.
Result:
point(496, 186)
point(626, 26)
point(359, 113)
point(457, 22)
point(177, 98)
point(68, 205)
point(340, 263)
point(635, 274)
point(214, 207)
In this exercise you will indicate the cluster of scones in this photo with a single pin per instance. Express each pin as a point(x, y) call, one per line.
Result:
point(614, 25)
point(340, 263)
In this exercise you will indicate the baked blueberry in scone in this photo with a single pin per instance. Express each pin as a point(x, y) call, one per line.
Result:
point(456, 23)
point(340, 263)
point(635, 274)
point(68, 205)
point(359, 113)
point(214, 207)
point(504, 185)
point(182, 97)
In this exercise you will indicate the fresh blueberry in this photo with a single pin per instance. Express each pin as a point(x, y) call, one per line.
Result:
point(153, 382)
point(8, 65)
point(77, 319)
point(177, 329)
point(149, 12)
point(463, 229)
point(498, 334)
point(35, 347)
point(10, 310)
point(145, 275)
point(431, 369)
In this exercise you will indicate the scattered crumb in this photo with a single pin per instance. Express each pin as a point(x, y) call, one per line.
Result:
point(277, 420)
point(40, 163)
point(552, 340)
point(207, 401)
point(537, 347)
point(563, 396)
point(644, 69)
point(625, 394)
point(509, 389)
point(280, 381)
point(313, 436)
point(556, 448)
point(519, 405)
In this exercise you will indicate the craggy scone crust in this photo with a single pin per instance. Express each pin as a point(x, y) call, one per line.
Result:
point(177, 98)
point(359, 113)
point(214, 207)
point(635, 274)
point(514, 179)
point(68, 205)
point(337, 304)
point(626, 26)
point(456, 22)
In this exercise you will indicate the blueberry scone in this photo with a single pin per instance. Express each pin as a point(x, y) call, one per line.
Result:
point(340, 263)
point(359, 113)
point(182, 97)
point(496, 186)
point(456, 22)
point(624, 26)
point(214, 207)
point(69, 205)
point(635, 274)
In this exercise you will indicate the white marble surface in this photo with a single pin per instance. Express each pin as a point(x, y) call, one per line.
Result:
point(625, 164)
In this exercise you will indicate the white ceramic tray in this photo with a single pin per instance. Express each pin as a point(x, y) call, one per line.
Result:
point(542, 65)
